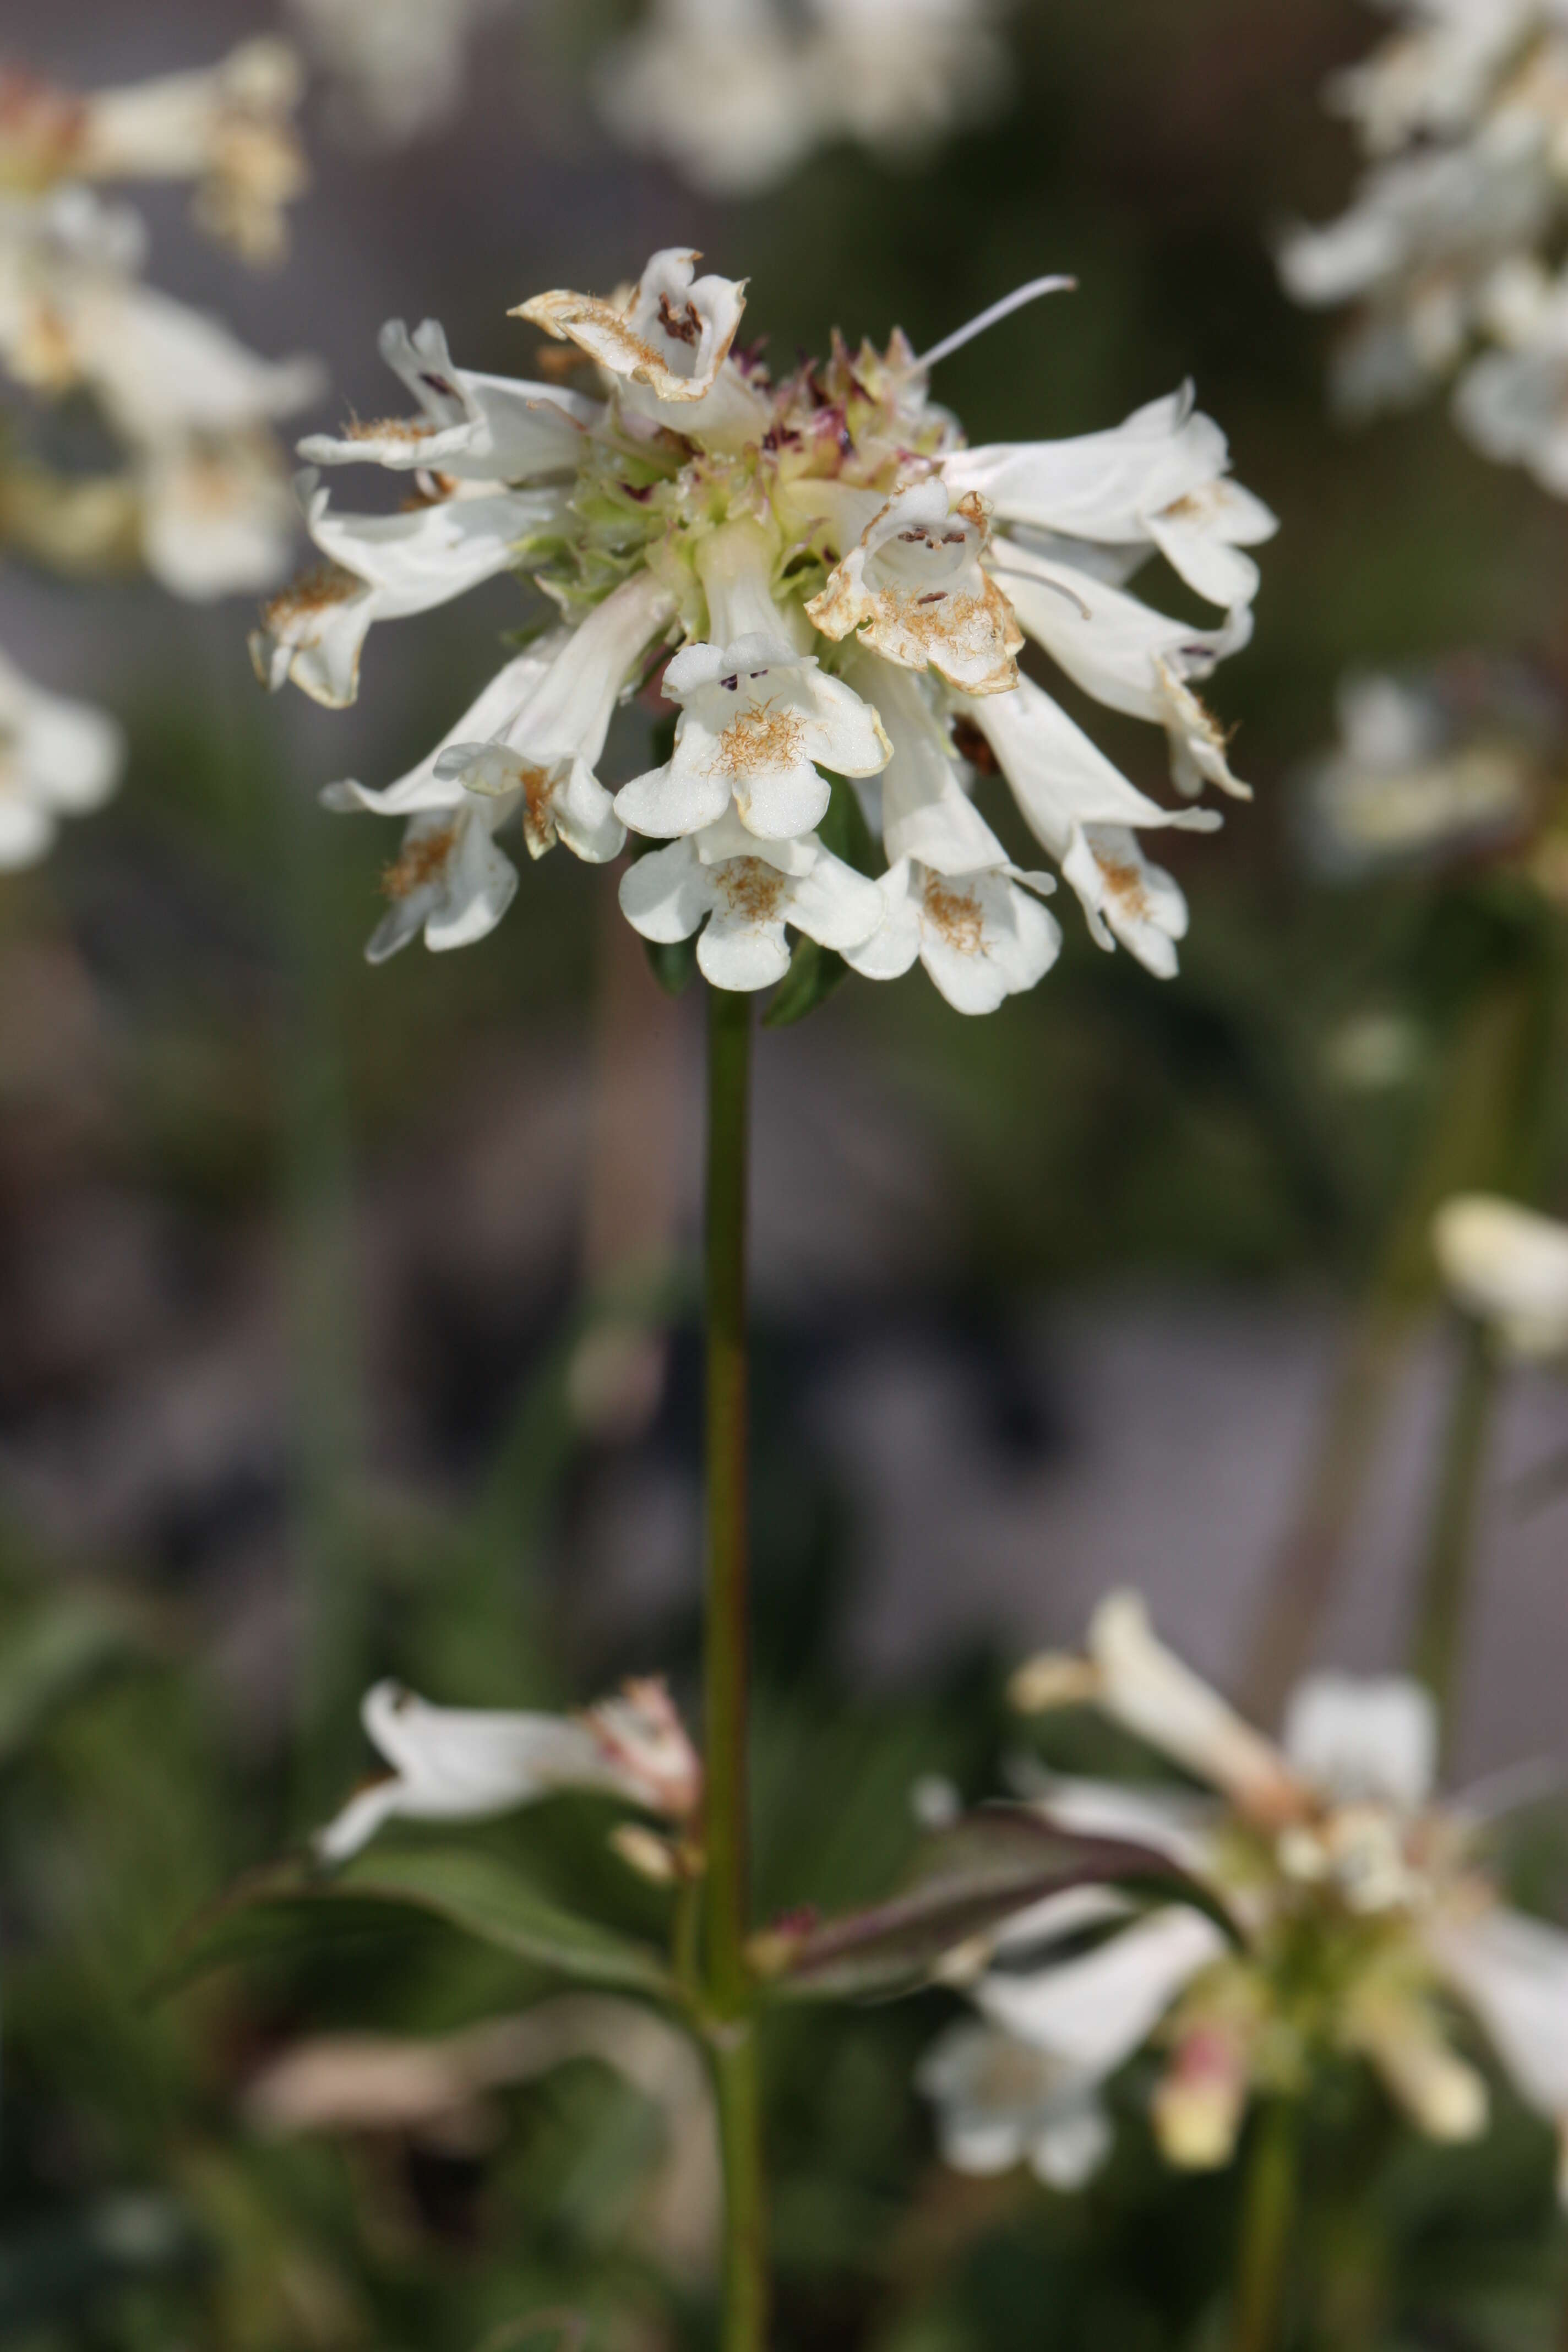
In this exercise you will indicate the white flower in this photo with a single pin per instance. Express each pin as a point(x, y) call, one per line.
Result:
point(1437, 762)
point(397, 67)
point(1358, 1903)
point(447, 880)
point(1159, 480)
point(227, 127)
point(465, 1764)
point(758, 721)
point(1083, 812)
point(383, 568)
point(913, 591)
point(758, 114)
point(839, 596)
point(192, 405)
point(742, 891)
point(775, 83)
point(486, 428)
point(57, 758)
point(1507, 1266)
point(1000, 2102)
point(668, 343)
point(1449, 237)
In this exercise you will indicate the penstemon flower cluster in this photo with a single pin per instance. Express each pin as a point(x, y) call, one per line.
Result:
point(832, 591)
point(1361, 1920)
point(200, 495)
point(1449, 251)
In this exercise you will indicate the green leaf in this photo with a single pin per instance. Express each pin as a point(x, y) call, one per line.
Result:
point(479, 1893)
point(813, 973)
point(56, 1652)
point(966, 1881)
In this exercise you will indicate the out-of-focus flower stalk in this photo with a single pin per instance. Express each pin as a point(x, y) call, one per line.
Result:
point(1442, 1599)
point(1483, 1130)
point(1267, 2211)
point(331, 1594)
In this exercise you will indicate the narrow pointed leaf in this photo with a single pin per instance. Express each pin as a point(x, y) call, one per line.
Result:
point(966, 1883)
point(478, 1894)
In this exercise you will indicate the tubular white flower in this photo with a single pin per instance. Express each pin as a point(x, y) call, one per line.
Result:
point(384, 567)
point(1130, 658)
point(982, 936)
point(999, 2103)
point(423, 786)
point(742, 891)
point(227, 127)
point(1094, 2013)
point(218, 515)
point(395, 68)
point(1507, 1266)
point(1420, 772)
point(549, 747)
point(1357, 1903)
point(759, 112)
point(487, 428)
point(467, 1764)
point(1082, 810)
point(1159, 480)
point(57, 758)
point(756, 718)
point(668, 343)
point(448, 879)
point(913, 591)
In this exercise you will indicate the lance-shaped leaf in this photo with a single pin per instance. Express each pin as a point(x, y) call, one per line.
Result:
point(966, 1883)
point(482, 1895)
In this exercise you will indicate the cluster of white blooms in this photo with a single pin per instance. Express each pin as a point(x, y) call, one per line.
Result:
point(1359, 1912)
point(201, 496)
point(826, 582)
point(892, 75)
point(396, 69)
point(1453, 238)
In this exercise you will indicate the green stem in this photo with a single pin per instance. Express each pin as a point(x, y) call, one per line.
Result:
point(1451, 1537)
point(1267, 2212)
point(1481, 1136)
point(732, 2055)
point(727, 1921)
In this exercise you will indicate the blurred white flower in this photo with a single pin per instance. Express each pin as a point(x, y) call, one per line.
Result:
point(1456, 227)
point(1507, 1266)
point(1358, 1907)
point(396, 68)
point(843, 602)
point(455, 1764)
point(228, 127)
point(57, 758)
point(1438, 762)
point(896, 76)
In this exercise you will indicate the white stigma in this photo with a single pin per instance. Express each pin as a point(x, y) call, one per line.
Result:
point(1019, 297)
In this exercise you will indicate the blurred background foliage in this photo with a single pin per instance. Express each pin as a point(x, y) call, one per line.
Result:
point(294, 1283)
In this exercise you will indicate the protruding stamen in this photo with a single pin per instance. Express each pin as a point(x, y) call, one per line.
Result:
point(997, 311)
